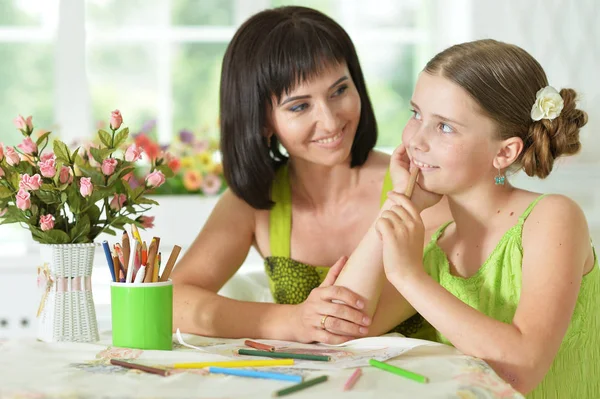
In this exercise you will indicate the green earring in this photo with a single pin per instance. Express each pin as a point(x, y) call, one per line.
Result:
point(500, 179)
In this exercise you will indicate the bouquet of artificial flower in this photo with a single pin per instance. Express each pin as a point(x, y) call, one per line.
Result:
point(65, 196)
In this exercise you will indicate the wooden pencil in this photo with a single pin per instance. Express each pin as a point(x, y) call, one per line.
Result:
point(150, 261)
point(140, 367)
point(414, 174)
point(170, 263)
point(258, 345)
point(126, 250)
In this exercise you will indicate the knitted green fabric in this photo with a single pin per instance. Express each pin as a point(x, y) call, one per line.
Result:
point(495, 291)
point(290, 281)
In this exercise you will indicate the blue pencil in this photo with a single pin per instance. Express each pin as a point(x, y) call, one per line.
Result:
point(255, 374)
point(111, 265)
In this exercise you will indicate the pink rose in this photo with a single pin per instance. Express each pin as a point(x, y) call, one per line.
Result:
point(1, 151)
point(85, 186)
point(23, 200)
point(23, 124)
point(12, 157)
point(46, 222)
point(46, 156)
point(116, 119)
point(155, 179)
point(30, 183)
point(3, 212)
point(211, 184)
point(28, 146)
point(65, 175)
point(1, 172)
point(48, 168)
point(133, 153)
point(118, 201)
point(147, 221)
point(108, 166)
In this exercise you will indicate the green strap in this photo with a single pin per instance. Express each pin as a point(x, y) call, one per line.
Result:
point(525, 214)
point(280, 216)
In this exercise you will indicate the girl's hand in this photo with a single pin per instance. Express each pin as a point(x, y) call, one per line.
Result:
point(319, 319)
point(400, 172)
point(402, 233)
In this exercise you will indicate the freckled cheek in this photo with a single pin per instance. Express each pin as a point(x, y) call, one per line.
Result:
point(408, 133)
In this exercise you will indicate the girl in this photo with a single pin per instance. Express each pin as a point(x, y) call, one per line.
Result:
point(297, 136)
point(513, 279)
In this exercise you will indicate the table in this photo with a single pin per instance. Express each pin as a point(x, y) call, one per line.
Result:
point(33, 369)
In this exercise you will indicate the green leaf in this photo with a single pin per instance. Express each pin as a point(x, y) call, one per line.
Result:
point(97, 177)
point(47, 197)
point(105, 138)
point(121, 137)
point(146, 201)
point(166, 171)
point(14, 215)
point(100, 154)
point(50, 236)
point(81, 230)
point(41, 139)
point(74, 200)
point(61, 151)
point(5, 192)
point(74, 156)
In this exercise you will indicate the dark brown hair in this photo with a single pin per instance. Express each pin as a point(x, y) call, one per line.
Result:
point(504, 80)
point(269, 55)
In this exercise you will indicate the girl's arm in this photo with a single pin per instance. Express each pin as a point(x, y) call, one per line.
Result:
point(556, 247)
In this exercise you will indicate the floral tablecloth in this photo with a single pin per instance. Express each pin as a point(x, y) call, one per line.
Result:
point(33, 369)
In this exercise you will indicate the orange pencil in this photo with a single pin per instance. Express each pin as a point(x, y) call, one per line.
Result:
point(170, 263)
point(258, 345)
point(144, 254)
point(126, 251)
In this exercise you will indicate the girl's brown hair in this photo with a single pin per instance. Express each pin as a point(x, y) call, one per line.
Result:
point(504, 80)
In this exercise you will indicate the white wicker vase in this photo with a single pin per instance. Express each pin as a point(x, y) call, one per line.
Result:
point(66, 311)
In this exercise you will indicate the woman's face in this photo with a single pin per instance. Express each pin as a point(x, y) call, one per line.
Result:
point(449, 138)
point(317, 120)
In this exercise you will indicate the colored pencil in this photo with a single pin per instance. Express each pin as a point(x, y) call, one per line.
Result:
point(301, 386)
point(352, 380)
point(236, 363)
point(258, 345)
point(414, 174)
point(398, 371)
point(136, 233)
point(255, 374)
point(126, 250)
point(140, 367)
point(109, 259)
point(284, 355)
point(140, 275)
point(116, 266)
point(170, 263)
point(131, 267)
point(150, 261)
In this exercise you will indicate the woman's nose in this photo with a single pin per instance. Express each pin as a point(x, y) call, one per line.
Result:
point(327, 119)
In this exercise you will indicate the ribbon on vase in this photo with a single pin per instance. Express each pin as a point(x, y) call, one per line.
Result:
point(45, 282)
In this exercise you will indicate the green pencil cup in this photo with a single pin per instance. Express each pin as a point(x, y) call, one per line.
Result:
point(142, 315)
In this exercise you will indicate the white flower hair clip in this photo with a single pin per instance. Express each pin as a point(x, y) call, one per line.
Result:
point(548, 104)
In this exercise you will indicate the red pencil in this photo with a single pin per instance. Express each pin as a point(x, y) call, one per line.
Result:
point(258, 345)
point(352, 380)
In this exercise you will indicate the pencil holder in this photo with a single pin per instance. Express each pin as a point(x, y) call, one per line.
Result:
point(142, 315)
point(66, 311)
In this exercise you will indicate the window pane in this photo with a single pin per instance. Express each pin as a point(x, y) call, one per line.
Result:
point(123, 77)
point(203, 12)
point(26, 13)
point(196, 74)
point(26, 87)
point(390, 72)
point(122, 14)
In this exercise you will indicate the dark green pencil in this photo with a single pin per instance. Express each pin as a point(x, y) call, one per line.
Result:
point(302, 385)
point(284, 355)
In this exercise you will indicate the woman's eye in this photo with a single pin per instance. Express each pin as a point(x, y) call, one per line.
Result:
point(340, 91)
point(416, 114)
point(446, 128)
point(299, 107)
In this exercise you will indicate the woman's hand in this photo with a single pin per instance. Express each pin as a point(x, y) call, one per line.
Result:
point(400, 173)
point(402, 232)
point(319, 319)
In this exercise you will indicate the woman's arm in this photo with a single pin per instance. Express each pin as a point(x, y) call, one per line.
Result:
point(214, 257)
point(556, 246)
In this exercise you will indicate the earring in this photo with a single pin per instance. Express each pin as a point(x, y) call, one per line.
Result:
point(500, 179)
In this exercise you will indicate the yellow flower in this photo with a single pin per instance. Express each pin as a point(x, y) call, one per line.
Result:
point(205, 161)
point(187, 162)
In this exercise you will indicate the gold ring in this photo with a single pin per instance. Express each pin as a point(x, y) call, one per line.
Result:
point(323, 321)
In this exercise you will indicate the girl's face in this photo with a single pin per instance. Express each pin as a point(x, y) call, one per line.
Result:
point(449, 138)
point(317, 120)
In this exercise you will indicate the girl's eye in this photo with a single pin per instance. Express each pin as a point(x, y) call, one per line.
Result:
point(299, 107)
point(416, 114)
point(446, 128)
point(340, 91)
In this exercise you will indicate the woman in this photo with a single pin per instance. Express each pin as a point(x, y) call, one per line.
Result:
point(291, 80)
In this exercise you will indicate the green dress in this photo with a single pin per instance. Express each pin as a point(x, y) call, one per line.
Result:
point(495, 291)
point(290, 281)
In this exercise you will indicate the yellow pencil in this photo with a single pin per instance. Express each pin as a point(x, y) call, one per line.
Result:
point(155, 270)
point(136, 233)
point(236, 363)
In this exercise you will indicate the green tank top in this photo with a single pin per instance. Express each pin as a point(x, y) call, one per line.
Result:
point(290, 281)
point(495, 291)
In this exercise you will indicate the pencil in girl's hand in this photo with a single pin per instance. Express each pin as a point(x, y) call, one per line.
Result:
point(126, 250)
point(170, 263)
point(258, 345)
point(414, 174)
